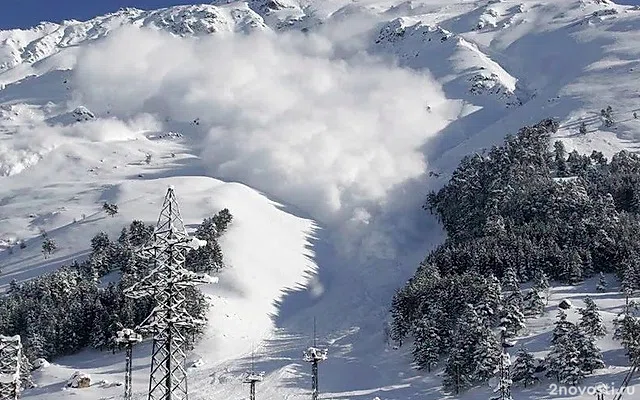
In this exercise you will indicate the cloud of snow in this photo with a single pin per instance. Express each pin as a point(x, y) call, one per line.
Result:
point(289, 115)
point(30, 143)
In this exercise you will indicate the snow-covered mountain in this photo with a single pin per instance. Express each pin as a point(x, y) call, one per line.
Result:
point(317, 123)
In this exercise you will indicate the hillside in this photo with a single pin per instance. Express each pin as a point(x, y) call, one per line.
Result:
point(321, 125)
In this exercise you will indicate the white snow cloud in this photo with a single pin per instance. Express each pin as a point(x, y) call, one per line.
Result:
point(289, 115)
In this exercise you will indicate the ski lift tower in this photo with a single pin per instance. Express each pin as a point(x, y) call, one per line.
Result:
point(314, 355)
point(127, 338)
point(10, 358)
point(166, 284)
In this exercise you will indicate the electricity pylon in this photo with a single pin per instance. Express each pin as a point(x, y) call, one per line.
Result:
point(10, 359)
point(128, 338)
point(166, 283)
point(314, 355)
point(252, 378)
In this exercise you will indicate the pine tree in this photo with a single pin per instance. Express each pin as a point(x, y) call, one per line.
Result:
point(486, 355)
point(474, 354)
point(26, 367)
point(607, 116)
point(100, 337)
point(591, 321)
point(101, 254)
point(572, 266)
point(602, 283)
point(457, 376)
point(573, 356)
point(139, 233)
point(541, 284)
point(222, 220)
point(511, 288)
point(560, 159)
point(123, 257)
point(533, 304)
point(563, 361)
point(630, 276)
point(524, 368)
point(48, 247)
point(512, 320)
point(489, 307)
point(400, 324)
point(110, 209)
point(34, 343)
point(506, 381)
point(627, 330)
point(510, 281)
point(590, 357)
point(562, 327)
point(426, 345)
point(583, 128)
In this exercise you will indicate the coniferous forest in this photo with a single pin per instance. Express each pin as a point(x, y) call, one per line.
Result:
point(67, 310)
point(524, 211)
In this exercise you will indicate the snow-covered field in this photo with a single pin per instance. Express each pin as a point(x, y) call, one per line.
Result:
point(321, 125)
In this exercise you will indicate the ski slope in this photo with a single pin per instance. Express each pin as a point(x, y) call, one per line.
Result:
point(317, 123)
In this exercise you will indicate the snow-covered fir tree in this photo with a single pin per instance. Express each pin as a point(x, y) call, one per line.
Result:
point(573, 356)
point(562, 327)
point(401, 323)
point(524, 368)
point(563, 361)
point(512, 317)
point(572, 267)
point(560, 156)
point(457, 375)
point(533, 303)
point(541, 284)
point(583, 128)
point(510, 281)
point(474, 354)
point(627, 330)
point(607, 116)
point(590, 357)
point(426, 344)
point(139, 233)
point(110, 209)
point(591, 321)
point(512, 320)
point(505, 381)
point(101, 254)
point(48, 247)
point(602, 283)
point(489, 306)
point(630, 277)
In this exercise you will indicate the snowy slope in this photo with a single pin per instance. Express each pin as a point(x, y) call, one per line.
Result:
point(338, 111)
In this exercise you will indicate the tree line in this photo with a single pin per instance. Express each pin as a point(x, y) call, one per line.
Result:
point(64, 311)
point(524, 211)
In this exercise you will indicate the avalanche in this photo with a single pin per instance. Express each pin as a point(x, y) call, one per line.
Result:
point(321, 125)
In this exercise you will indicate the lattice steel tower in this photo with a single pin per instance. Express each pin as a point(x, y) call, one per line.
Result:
point(166, 284)
point(10, 359)
point(252, 378)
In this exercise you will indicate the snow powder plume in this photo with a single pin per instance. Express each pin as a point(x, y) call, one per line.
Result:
point(285, 115)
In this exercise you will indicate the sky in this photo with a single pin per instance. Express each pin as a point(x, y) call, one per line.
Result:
point(27, 13)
